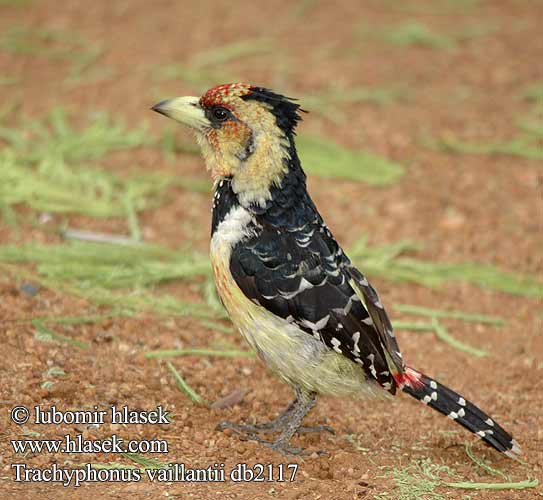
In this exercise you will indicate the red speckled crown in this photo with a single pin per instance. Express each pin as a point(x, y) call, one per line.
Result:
point(221, 94)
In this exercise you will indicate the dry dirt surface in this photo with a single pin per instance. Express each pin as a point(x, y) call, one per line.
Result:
point(465, 207)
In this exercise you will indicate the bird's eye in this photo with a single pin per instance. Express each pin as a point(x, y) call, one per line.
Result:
point(220, 114)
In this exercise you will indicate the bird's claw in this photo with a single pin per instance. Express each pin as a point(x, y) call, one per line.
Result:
point(285, 449)
point(315, 428)
point(246, 428)
point(248, 432)
point(270, 427)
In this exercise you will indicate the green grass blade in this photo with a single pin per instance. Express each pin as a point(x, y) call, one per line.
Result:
point(136, 300)
point(78, 320)
point(388, 262)
point(417, 327)
point(445, 336)
point(111, 266)
point(480, 462)
point(212, 299)
point(199, 352)
point(41, 167)
point(521, 485)
point(132, 218)
point(110, 466)
point(225, 53)
point(417, 34)
point(216, 326)
point(148, 463)
point(438, 313)
point(328, 159)
point(44, 334)
point(184, 387)
point(533, 92)
point(441, 333)
point(80, 52)
point(327, 103)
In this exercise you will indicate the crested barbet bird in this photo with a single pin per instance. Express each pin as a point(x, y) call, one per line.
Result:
point(284, 280)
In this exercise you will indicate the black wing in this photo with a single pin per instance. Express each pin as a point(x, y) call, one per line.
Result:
point(302, 275)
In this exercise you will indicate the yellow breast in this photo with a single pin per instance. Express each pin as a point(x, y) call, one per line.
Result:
point(294, 355)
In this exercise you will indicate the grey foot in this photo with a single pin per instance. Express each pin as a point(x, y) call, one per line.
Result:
point(287, 424)
point(315, 428)
point(248, 433)
point(286, 449)
point(270, 427)
point(247, 428)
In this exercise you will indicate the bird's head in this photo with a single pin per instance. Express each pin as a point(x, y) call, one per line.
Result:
point(245, 134)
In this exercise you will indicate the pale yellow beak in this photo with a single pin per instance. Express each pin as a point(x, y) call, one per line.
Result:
point(186, 110)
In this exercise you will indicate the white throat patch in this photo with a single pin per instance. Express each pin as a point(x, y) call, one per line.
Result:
point(233, 228)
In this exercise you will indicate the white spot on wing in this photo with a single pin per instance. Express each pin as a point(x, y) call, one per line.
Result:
point(333, 273)
point(336, 343)
point(347, 308)
point(303, 244)
point(304, 285)
point(373, 371)
point(319, 325)
point(356, 338)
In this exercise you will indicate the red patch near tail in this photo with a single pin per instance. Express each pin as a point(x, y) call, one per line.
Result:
point(409, 377)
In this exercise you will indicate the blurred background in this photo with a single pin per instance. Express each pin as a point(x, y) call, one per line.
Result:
point(423, 147)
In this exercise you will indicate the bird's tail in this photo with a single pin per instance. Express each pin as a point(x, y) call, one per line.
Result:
point(462, 411)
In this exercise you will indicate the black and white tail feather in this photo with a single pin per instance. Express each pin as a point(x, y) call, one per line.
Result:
point(453, 405)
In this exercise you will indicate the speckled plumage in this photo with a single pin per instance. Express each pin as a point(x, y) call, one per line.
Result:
point(285, 281)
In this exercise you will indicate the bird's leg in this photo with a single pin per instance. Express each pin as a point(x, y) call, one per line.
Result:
point(301, 396)
point(277, 424)
point(272, 426)
point(303, 404)
point(288, 424)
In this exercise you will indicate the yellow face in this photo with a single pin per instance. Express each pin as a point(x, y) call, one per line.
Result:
point(239, 138)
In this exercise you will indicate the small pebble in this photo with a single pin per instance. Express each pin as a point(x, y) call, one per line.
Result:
point(30, 289)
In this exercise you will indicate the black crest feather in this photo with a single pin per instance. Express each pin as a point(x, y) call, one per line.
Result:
point(285, 110)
